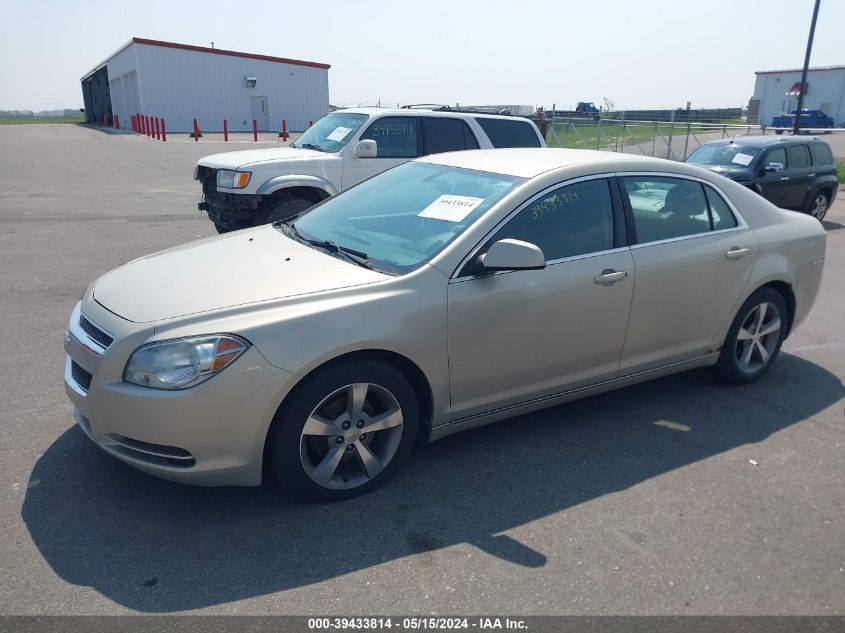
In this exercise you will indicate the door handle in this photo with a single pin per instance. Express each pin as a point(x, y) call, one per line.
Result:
point(736, 253)
point(609, 277)
point(811, 175)
point(784, 177)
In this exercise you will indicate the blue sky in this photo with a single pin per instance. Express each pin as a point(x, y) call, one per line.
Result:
point(651, 53)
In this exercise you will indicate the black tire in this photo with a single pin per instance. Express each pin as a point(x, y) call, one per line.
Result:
point(778, 132)
point(288, 449)
point(283, 206)
point(730, 368)
point(817, 204)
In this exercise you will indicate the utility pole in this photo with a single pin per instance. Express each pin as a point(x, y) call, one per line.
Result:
point(796, 124)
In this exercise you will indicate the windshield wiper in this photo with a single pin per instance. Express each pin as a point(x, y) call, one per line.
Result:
point(356, 257)
point(311, 146)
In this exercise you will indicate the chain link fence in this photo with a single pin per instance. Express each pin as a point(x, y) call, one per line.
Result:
point(663, 139)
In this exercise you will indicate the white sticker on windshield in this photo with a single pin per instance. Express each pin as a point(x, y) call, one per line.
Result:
point(742, 159)
point(339, 134)
point(451, 208)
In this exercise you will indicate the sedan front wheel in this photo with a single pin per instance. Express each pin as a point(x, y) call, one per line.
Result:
point(345, 431)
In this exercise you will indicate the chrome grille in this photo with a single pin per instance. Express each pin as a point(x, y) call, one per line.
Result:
point(102, 337)
point(80, 376)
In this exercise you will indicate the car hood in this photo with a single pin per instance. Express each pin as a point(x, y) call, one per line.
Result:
point(244, 267)
point(234, 160)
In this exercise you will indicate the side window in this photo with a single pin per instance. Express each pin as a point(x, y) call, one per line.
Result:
point(799, 156)
point(720, 214)
point(396, 136)
point(665, 208)
point(821, 154)
point(776, 156)
point(572, 220)
point(447, 135)
point(509, 132)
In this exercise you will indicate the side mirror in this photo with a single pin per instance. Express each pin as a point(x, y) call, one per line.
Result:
point(511, 254)
point(365, 149)
point(774, 167)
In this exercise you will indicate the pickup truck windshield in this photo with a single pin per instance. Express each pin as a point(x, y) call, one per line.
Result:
point(331, 133)
point(403, 217)
point(724, 155)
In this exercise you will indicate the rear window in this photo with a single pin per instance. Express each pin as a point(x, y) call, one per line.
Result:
point(509, 133)
point(447, 135)
point(821, 154)
point(798, 156)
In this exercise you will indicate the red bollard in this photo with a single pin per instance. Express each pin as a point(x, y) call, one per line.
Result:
point(196, 131)
point(158, 130)
point(116, 121)
point(255, 130)
point(284, 130)
point(163, 131)
point(132, 121)
point(146, 124)
point(225, 130)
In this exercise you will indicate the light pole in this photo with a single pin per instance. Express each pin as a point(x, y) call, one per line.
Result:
point(796, 124)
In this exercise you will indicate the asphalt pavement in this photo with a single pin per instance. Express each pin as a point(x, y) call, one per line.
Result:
point(679, 496)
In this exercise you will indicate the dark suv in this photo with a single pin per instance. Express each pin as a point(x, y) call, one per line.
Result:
point(792, 172)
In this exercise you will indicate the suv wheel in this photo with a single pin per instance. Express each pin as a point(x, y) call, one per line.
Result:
point(281, 207)
point(817, 205)
point(344, 431)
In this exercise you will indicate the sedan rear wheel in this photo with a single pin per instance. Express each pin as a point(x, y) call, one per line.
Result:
point(755, 337)
point(344, 431)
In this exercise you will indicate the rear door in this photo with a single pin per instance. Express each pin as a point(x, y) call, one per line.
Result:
point(693, 256)
point(800, 175)
point(398, 141)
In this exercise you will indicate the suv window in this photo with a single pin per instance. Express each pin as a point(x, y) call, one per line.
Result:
point(395, 136)
point(571, 220)
point(509, 133)
point(666, 208)
point(776, 156)
point(821, 154)
point(799, 156)
point(447, 135)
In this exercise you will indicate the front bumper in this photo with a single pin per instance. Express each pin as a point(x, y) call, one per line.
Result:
point(211, 434)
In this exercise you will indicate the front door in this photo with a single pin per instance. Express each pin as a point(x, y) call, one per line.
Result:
point(397, 139)
point(521, 335)
point(260, 114)
point(774, 186)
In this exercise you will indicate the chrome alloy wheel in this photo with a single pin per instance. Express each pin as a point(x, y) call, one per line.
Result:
point(819, 208)
point(351, 436)
point(758, 337)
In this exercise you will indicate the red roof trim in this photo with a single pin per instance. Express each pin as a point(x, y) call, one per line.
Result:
point(221, 51)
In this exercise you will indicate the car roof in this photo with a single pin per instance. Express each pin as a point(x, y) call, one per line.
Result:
point(759, 140)
point(424, 112)
point(533, 161)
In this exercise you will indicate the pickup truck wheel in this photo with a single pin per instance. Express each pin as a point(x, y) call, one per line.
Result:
point(817, 205)
point(778, 132)
point(283, 207)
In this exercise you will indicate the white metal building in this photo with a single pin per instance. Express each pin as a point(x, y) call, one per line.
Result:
point(776, 92)
point(180, 82)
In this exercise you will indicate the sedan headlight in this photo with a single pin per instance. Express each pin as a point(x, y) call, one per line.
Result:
point(227, 179)
point(182, 363)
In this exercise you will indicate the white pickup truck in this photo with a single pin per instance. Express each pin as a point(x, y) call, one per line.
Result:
point(252, 187)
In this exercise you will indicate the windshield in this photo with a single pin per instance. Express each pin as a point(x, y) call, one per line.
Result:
point(401, 218)
point(730, 155)
point(331, 133)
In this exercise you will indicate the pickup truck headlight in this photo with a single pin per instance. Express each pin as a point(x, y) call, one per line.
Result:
point(227, 179)
point(182, 363)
